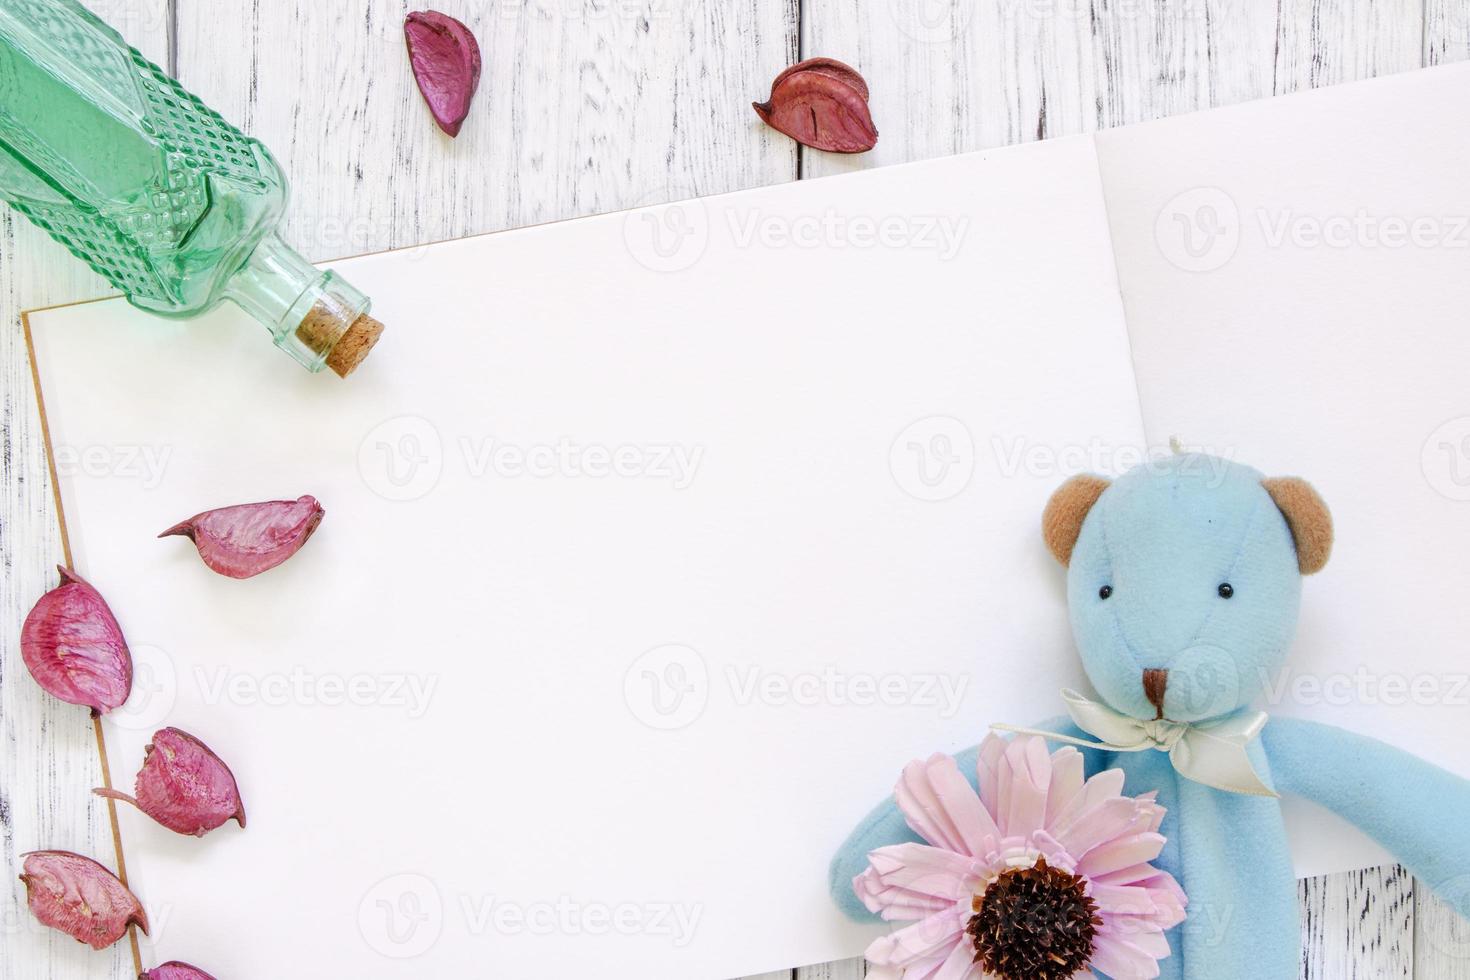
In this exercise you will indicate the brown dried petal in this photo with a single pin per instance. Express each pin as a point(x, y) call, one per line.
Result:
point(823, 104)
point(174, 970)
point(75, 650)
point(184, 785)
point(248, 539)
point(80, 897)
point(446, 64)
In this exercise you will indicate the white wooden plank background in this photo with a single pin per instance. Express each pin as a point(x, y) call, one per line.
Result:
point(595, 105)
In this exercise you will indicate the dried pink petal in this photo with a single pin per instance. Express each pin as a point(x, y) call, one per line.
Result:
point(248, 539)
point(75, 650)
point(446, 64)
point(823, 104)
point(183, 785)
point(80, 897)
point(174, 970)
point(828, 66)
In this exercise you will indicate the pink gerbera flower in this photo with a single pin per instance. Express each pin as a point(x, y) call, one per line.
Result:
point(1041, 876)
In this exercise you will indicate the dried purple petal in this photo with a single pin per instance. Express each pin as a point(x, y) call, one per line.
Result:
point(823, 104)
point(183, 785)
point(174, 970)
point(75, 650)
point(248, 539)
point(80, 897)
point(446, 64)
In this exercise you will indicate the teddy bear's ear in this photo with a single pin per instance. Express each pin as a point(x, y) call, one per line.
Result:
point(1307, 516)
point(1061, 522)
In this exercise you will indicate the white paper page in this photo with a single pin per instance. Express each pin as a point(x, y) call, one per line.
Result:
point(1302, 328)
point(659, 700)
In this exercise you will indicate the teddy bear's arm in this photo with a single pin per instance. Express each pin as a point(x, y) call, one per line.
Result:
point(1416, 810)
point(886, 825)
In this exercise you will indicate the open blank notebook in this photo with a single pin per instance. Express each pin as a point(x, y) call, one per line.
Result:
point(656, 543)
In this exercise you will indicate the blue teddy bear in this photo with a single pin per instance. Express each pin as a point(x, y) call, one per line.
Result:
point(1184, 585)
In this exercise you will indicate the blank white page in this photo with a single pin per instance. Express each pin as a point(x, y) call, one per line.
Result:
point(647, 563)
point(1297, 280)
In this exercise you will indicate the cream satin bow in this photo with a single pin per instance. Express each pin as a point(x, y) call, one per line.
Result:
point(1210, 752)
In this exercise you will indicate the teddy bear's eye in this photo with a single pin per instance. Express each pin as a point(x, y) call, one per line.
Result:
point(1105, 591)
point(1226, 590)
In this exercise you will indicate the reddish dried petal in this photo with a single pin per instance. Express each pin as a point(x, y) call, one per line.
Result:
point(75, 650)
point(823, 104)
point(828, 66)
point(174, 970)
point(446, 64)
point(248, 539)
point(80, 897)
point(184, 785)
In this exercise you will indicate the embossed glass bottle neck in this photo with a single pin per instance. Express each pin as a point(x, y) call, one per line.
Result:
point(306, 309)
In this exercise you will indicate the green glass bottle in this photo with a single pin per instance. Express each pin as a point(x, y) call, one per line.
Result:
point(155, 191)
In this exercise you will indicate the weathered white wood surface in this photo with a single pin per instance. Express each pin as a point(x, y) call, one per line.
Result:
point(594, 105)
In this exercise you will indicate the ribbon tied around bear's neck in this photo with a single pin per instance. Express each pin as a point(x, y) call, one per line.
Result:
point(1214, 753)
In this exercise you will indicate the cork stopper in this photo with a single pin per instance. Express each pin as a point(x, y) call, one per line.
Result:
point(321, 331)
point(354, 345)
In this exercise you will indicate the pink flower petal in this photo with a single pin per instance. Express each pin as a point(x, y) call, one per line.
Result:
point(987, 769)
point(1136, 874)
point(959, 801)
point(1124, 900)
point(926, 870)
point(922, 808)
point(892, 903)
point(1122, 960)
point(961, 963)
point(75, 650)
point(184, 785)
point(248, 539)
point(1068, 775)
point(1121, 853)
point(931, 937)
point(80, 897)
point(1106, 821)
point(1105, 785)
point(176, 971)
point(1030, 765)
point(445, 58)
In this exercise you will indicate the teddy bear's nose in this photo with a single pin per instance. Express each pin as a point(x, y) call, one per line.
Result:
point(1155, 683)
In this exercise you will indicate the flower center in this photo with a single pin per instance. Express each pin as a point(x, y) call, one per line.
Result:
point(1034, 923)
